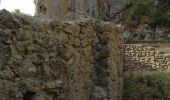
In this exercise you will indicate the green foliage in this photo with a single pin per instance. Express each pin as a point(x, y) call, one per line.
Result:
point(157, 10)
point(147, 86)
point(127, 86)
point(139, 8)
point(125, 40)
point(17, 12)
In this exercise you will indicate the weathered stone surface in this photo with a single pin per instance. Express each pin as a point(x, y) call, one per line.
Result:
point(8, 20)
point(44, 59)
point(144, 57)
point(102, 9)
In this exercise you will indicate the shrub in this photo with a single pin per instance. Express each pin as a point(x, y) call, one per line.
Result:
point(157, 11)
point(19, 13)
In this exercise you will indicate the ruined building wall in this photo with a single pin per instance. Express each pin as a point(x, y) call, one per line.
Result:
point(44, 59)
point(143, 57)
point(101, 9)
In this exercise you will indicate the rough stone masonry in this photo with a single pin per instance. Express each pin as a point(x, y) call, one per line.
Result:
point(143, 57)
point(44, 59)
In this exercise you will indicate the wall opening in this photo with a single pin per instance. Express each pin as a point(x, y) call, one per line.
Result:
point(29, 95)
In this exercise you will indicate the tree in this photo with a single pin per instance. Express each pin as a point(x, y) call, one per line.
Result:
point(157, 10)
point(19, 13)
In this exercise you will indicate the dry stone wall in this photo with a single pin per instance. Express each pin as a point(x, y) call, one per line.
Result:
point(144, 57)
point(101, 9)
point(44, 59)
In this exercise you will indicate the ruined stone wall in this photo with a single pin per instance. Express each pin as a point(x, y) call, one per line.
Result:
point(44, 59)
point(101, 9)
point(143, 57)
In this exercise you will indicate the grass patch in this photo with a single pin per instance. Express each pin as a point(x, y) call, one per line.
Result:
point(147, 86)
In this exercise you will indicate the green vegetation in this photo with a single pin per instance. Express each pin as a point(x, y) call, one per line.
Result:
point(125, 40)
point(154, 12)
point(17, 12)
point(147, 86)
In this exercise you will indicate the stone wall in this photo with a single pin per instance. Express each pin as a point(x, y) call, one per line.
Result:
point(101, 9)
point(144, 57)
point(44, 59)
